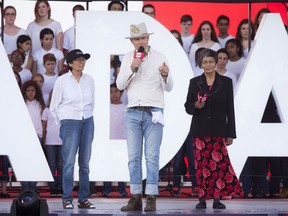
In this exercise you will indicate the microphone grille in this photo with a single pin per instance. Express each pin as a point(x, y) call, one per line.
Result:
point(141, 49)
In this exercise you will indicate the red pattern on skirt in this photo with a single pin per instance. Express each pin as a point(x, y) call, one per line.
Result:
point(215, 175)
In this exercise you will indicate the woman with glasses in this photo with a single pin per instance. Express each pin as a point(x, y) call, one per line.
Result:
point(210, 101)
point(11, 31)
point(72, 107)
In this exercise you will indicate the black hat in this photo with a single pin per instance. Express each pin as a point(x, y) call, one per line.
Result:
point(74, 54)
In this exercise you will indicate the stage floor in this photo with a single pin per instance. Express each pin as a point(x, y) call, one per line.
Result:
point(166, 206)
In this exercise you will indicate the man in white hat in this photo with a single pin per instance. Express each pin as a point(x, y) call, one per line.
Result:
point(145, 74)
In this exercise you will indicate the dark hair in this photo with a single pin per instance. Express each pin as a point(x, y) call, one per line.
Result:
point(38, 95)
point(263, 10)
point(148, 6)
point(38, 2)
point(22, 39)
point(223, 50)
point(238, 44)
point(114, 85)
point(198, 55)
point(208, 53)
point(49, 57)
point(19, 79)
point(174, 31)
point(115, 2)
point(20, 53)
point(9, 7)
point(77, 7)
point(238, 33)
point(45, 31)
point(186, 18)
point(198, 37)
point(223, 17)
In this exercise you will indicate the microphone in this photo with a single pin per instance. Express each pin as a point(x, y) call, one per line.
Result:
point(139, 54)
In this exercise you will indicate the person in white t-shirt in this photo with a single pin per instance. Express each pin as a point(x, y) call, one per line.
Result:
point(69, 34)
point(46, 38)
point(223, 24)
point(117, 131)
point(35, 105)
point(223, 57)
point(17, 59)
point(24, 45)
point(243, 35)
point(53, 144)
point(186, 23)
point(49, 62)
point(236, 60)
point(42, 12)
point(11, 31)
point(205, 37)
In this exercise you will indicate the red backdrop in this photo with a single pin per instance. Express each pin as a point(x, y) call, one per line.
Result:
point(169, 13)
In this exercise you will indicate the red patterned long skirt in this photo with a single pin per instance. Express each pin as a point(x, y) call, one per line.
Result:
point(215, 175)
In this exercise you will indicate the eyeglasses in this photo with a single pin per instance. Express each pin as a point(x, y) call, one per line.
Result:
point(81, 59)
point(10, 14)
point(208, 62)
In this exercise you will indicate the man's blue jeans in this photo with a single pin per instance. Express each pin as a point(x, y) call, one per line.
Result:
point(77, 136)
point(140, 128)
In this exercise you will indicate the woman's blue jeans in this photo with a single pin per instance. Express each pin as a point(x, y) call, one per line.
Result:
point(77, 137)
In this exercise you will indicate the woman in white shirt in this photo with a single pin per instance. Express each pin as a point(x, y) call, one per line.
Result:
point(72, 106)
point(205, 37)
point(243, 35)
point(11, 31)
point(42, 12)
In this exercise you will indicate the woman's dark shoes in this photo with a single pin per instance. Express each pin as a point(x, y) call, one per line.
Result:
point(201, 205)
point(218, 205)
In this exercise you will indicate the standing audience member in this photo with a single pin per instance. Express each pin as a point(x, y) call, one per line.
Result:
point(223, 24)
point(149, 9)
point(39, 79)
point(46, 38)
point(177, 35)
point(179, 165)
point(116, 6)
point(4, 178)
point(11, 31)
point(69, 34)
point(205, 37)
point(50, 76)
point(42, 12)
point(17, 59)
point(24, 45)
point(117, 131)
point(210, 101)
point(223, 57)
point(145, 80)
point(53, 146)
point(186, 23)
point(259, 17)
point(243, 35)
point(72, 107)
point(35, 104)
point(236, 60)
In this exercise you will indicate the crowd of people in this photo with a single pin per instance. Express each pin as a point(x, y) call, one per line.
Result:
point(44, 59)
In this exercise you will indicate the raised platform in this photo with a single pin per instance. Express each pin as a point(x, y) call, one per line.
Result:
point(166, 206)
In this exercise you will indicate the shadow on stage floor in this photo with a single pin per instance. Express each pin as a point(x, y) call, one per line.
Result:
point(166, 206)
